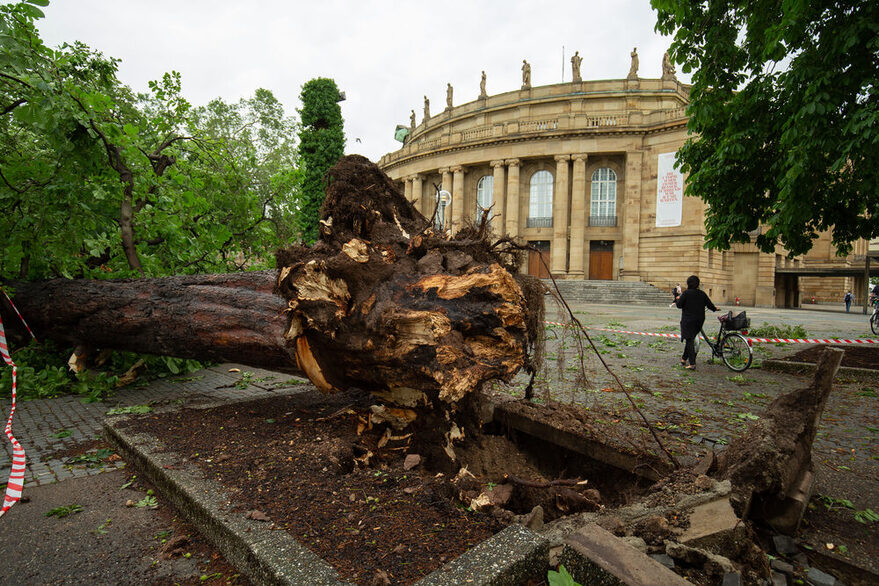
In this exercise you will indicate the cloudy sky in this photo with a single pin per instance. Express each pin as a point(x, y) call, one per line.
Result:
point(385, 55)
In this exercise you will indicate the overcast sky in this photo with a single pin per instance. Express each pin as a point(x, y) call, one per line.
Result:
point(385, 55)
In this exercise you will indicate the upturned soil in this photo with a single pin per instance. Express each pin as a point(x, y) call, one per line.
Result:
point(314, 466)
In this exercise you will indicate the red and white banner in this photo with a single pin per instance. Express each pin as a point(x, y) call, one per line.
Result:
point(669, 192)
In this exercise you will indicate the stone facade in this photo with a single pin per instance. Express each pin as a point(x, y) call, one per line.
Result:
point(572, 169)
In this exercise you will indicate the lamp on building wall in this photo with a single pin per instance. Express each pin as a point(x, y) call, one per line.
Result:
point(443, 200)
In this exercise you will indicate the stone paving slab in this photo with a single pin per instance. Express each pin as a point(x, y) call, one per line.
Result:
point(38, 422)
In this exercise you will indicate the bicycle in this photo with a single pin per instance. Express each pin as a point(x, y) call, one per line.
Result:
point(731, 346)
point(874, 319)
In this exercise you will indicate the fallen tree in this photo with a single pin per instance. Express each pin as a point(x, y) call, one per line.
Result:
point(381, 302)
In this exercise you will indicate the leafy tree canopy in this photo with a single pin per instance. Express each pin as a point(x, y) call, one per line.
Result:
point(784, 116)
point(98, 181)
point(322, 144)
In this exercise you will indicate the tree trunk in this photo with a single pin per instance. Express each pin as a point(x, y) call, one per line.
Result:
point(229, 318)
point(379, 303)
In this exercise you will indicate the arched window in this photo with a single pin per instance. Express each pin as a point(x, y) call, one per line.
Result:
point(484, 196)
point(603, 211)
point(540, 203)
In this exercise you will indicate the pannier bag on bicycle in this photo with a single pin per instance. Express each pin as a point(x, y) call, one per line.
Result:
point(737, 322)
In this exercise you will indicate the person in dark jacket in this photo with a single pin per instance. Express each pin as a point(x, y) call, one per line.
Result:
point(692, 303)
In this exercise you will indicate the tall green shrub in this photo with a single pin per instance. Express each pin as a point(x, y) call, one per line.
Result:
point(321, 145)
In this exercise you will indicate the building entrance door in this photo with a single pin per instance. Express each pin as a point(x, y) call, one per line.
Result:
point(601, 260)
point(538, 261)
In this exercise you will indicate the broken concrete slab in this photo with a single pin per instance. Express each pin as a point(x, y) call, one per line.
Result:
point(594, 556)
point(709, 521)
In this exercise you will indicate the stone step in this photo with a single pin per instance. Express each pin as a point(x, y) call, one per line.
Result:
point(614, 292)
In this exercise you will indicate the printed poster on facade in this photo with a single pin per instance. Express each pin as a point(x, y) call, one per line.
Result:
point(669, 192)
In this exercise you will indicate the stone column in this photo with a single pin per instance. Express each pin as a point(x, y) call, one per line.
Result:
point(447, 186)
point(630, 215)
point(457, 197)
point(497, 194)
point(512, 222)
point(558, 261)
point(417, 194)
point(579, 201)
point(407, 189)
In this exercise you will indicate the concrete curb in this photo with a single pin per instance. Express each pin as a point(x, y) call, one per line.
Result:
point(866, 375)
point(269, 556)
point(266, 556)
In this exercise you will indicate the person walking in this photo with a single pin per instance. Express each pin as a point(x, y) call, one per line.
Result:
point(692, 303)
point(675, 293)
point(848, 301)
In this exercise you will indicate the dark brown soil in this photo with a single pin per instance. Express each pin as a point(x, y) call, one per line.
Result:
point(855, 356)
point(312, 465)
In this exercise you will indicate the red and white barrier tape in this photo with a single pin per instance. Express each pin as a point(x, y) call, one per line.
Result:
point(752, 340)
point(15, 309)
point(15, 484)
point(16, 475)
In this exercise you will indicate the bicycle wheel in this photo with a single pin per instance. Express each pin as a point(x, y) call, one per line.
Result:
point(874, 322)
point(736, 352)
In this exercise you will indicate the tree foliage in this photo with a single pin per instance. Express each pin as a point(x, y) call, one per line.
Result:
point(322, 144)
point(783, 115)
point(98, 181)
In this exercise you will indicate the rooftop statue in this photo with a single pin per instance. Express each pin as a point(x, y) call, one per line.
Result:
point(633, 70)
point(668, 69)
point(575, 67)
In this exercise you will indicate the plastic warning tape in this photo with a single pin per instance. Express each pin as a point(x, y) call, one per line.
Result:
point(16, 475)
point(15, 309)
point(752, 340)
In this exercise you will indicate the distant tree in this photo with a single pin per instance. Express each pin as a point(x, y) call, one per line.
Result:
point(784, 116)
point(321, 145)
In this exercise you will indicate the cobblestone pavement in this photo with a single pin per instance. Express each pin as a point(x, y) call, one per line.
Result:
point(49, 428)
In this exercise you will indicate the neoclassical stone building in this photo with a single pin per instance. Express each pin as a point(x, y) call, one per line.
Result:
point(583, 172)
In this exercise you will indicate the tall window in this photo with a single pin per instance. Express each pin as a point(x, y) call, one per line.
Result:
point(540, 203)
point(604, 193)
point(484, 196)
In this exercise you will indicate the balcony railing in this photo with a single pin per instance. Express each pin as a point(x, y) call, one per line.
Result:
point(602, 220)
point(539, 222)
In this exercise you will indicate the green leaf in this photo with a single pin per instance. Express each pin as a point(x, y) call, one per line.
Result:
point(561, 578)
point(33, 11)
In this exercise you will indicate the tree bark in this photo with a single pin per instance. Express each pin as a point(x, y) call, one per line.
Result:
point(228, 318)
